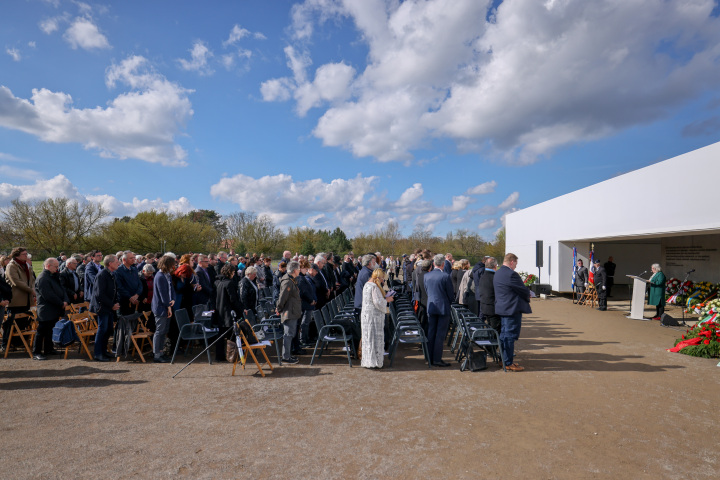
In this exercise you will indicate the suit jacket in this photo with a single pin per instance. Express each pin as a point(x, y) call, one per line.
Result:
point(447, 267)
point(581, 277)
point(206, 294)
point(50, 297)
point(600, 278)
point(362, 279)
point(248, 294)
point(439, 292)
point(91, 272)
point(67, 279)
point(511, 294)
point(307, 292)
point(104, 292)
point(477, 272)
point(487, 294)
point(420, 286)
point(322, 286)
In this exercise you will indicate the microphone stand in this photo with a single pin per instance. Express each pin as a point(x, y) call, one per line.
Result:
point(209, 346)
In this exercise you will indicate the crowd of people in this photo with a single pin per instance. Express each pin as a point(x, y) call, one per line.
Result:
point(232, 286)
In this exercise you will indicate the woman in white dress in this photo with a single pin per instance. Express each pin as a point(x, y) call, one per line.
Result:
point(372, 320)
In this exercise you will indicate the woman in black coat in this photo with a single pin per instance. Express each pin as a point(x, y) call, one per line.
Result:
point(227, 302)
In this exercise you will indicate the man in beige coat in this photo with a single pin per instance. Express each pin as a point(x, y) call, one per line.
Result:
point(21, 278)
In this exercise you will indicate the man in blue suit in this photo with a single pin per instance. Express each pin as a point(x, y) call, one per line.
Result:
point(512, 299)
point(91, 271)
point(447, 266)
point(440, 295)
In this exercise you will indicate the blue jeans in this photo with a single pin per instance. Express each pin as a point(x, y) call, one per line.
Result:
point(105, 326)
point(509, 332)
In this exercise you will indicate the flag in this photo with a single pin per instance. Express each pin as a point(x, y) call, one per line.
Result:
point(591, 270)
point(574, 265)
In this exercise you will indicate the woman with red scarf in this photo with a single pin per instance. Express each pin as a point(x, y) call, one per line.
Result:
point(184, 284)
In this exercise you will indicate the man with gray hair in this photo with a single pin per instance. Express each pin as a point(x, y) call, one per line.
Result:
point(369, 263)
point(51, 303)
point(440, 295)
point(249, 290)
point(289, 307)
point(206, 293)
point(71, 281)
point(128, 282)
point(104, 303)
point(322, 285)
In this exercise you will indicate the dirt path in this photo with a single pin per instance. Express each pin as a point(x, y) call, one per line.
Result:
point(601, 398)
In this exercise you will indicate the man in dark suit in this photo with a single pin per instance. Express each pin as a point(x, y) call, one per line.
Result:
point(206, 293)
point(421, 269)
point(477, 273)
point(609, 267)
point(70, 281)
point(512, 299)
point(439, 297)
point(51, 303)
point(600, 280)
point(447, 266)
point(91, 271)
point(369, 263)
point(487, 295)
point(322, 288)
point(249, 290)
point(581, 278)
point(104, 302)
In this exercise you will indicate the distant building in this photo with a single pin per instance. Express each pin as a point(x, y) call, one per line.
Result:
point(667, 213)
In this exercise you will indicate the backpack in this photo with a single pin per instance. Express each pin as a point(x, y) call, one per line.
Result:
point(64, 333)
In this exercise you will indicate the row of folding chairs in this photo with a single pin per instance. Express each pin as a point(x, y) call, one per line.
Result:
point(472, 331)
point(407, 328)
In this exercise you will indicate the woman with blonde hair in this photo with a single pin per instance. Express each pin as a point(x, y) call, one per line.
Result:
point(372, 319)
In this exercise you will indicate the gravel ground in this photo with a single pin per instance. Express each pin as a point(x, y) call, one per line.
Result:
point(601, 398)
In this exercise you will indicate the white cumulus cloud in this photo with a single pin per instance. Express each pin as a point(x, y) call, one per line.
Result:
point(141, 123)
point(518, 84)
point(482, 189)
point(14, 53)
point(61, 187)
point(199, 56)
point(83, 33)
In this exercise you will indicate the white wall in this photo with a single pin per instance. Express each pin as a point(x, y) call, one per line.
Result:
point(626, 211)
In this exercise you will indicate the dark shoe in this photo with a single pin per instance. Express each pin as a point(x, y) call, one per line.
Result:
point(602, 309)
point(299, 352)
point(39, 356)
point(291, 361)
point(161, 359)
point(441, 364)
point(110, 354)
point(102, 358)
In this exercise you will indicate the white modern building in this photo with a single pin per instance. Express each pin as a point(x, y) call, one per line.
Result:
point(667, 213)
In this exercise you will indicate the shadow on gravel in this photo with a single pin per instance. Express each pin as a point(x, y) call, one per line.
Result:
point(67, 372)
point(66, 383)
point(590, 361)
point(541, 344)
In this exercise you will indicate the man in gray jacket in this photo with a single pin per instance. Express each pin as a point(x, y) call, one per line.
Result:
point(289, 307)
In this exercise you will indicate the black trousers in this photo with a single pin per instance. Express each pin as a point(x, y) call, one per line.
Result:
point(423, 317)
point(659, 310)
point(22, 323)
point(495, 322)
point(43, 338)
point(609, 285)
point(602, 299)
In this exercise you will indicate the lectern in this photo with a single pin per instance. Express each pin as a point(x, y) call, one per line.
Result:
point(637, 305)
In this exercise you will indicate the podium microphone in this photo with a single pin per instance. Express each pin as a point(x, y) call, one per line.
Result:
point(642, 273)
point(691, 271)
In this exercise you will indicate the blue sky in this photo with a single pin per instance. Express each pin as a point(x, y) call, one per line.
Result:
point(444, 114)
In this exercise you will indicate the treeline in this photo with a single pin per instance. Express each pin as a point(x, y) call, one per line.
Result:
point(51, 226)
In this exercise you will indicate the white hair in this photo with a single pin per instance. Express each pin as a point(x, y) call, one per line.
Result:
point(250, 271)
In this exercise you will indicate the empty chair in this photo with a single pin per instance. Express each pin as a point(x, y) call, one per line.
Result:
point(331, 333)
point(190, 332)
point(408, 333)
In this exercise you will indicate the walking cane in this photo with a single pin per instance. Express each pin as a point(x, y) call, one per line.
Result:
point(208, 347)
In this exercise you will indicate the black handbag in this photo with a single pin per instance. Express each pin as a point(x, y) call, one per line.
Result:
point(475, 361)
